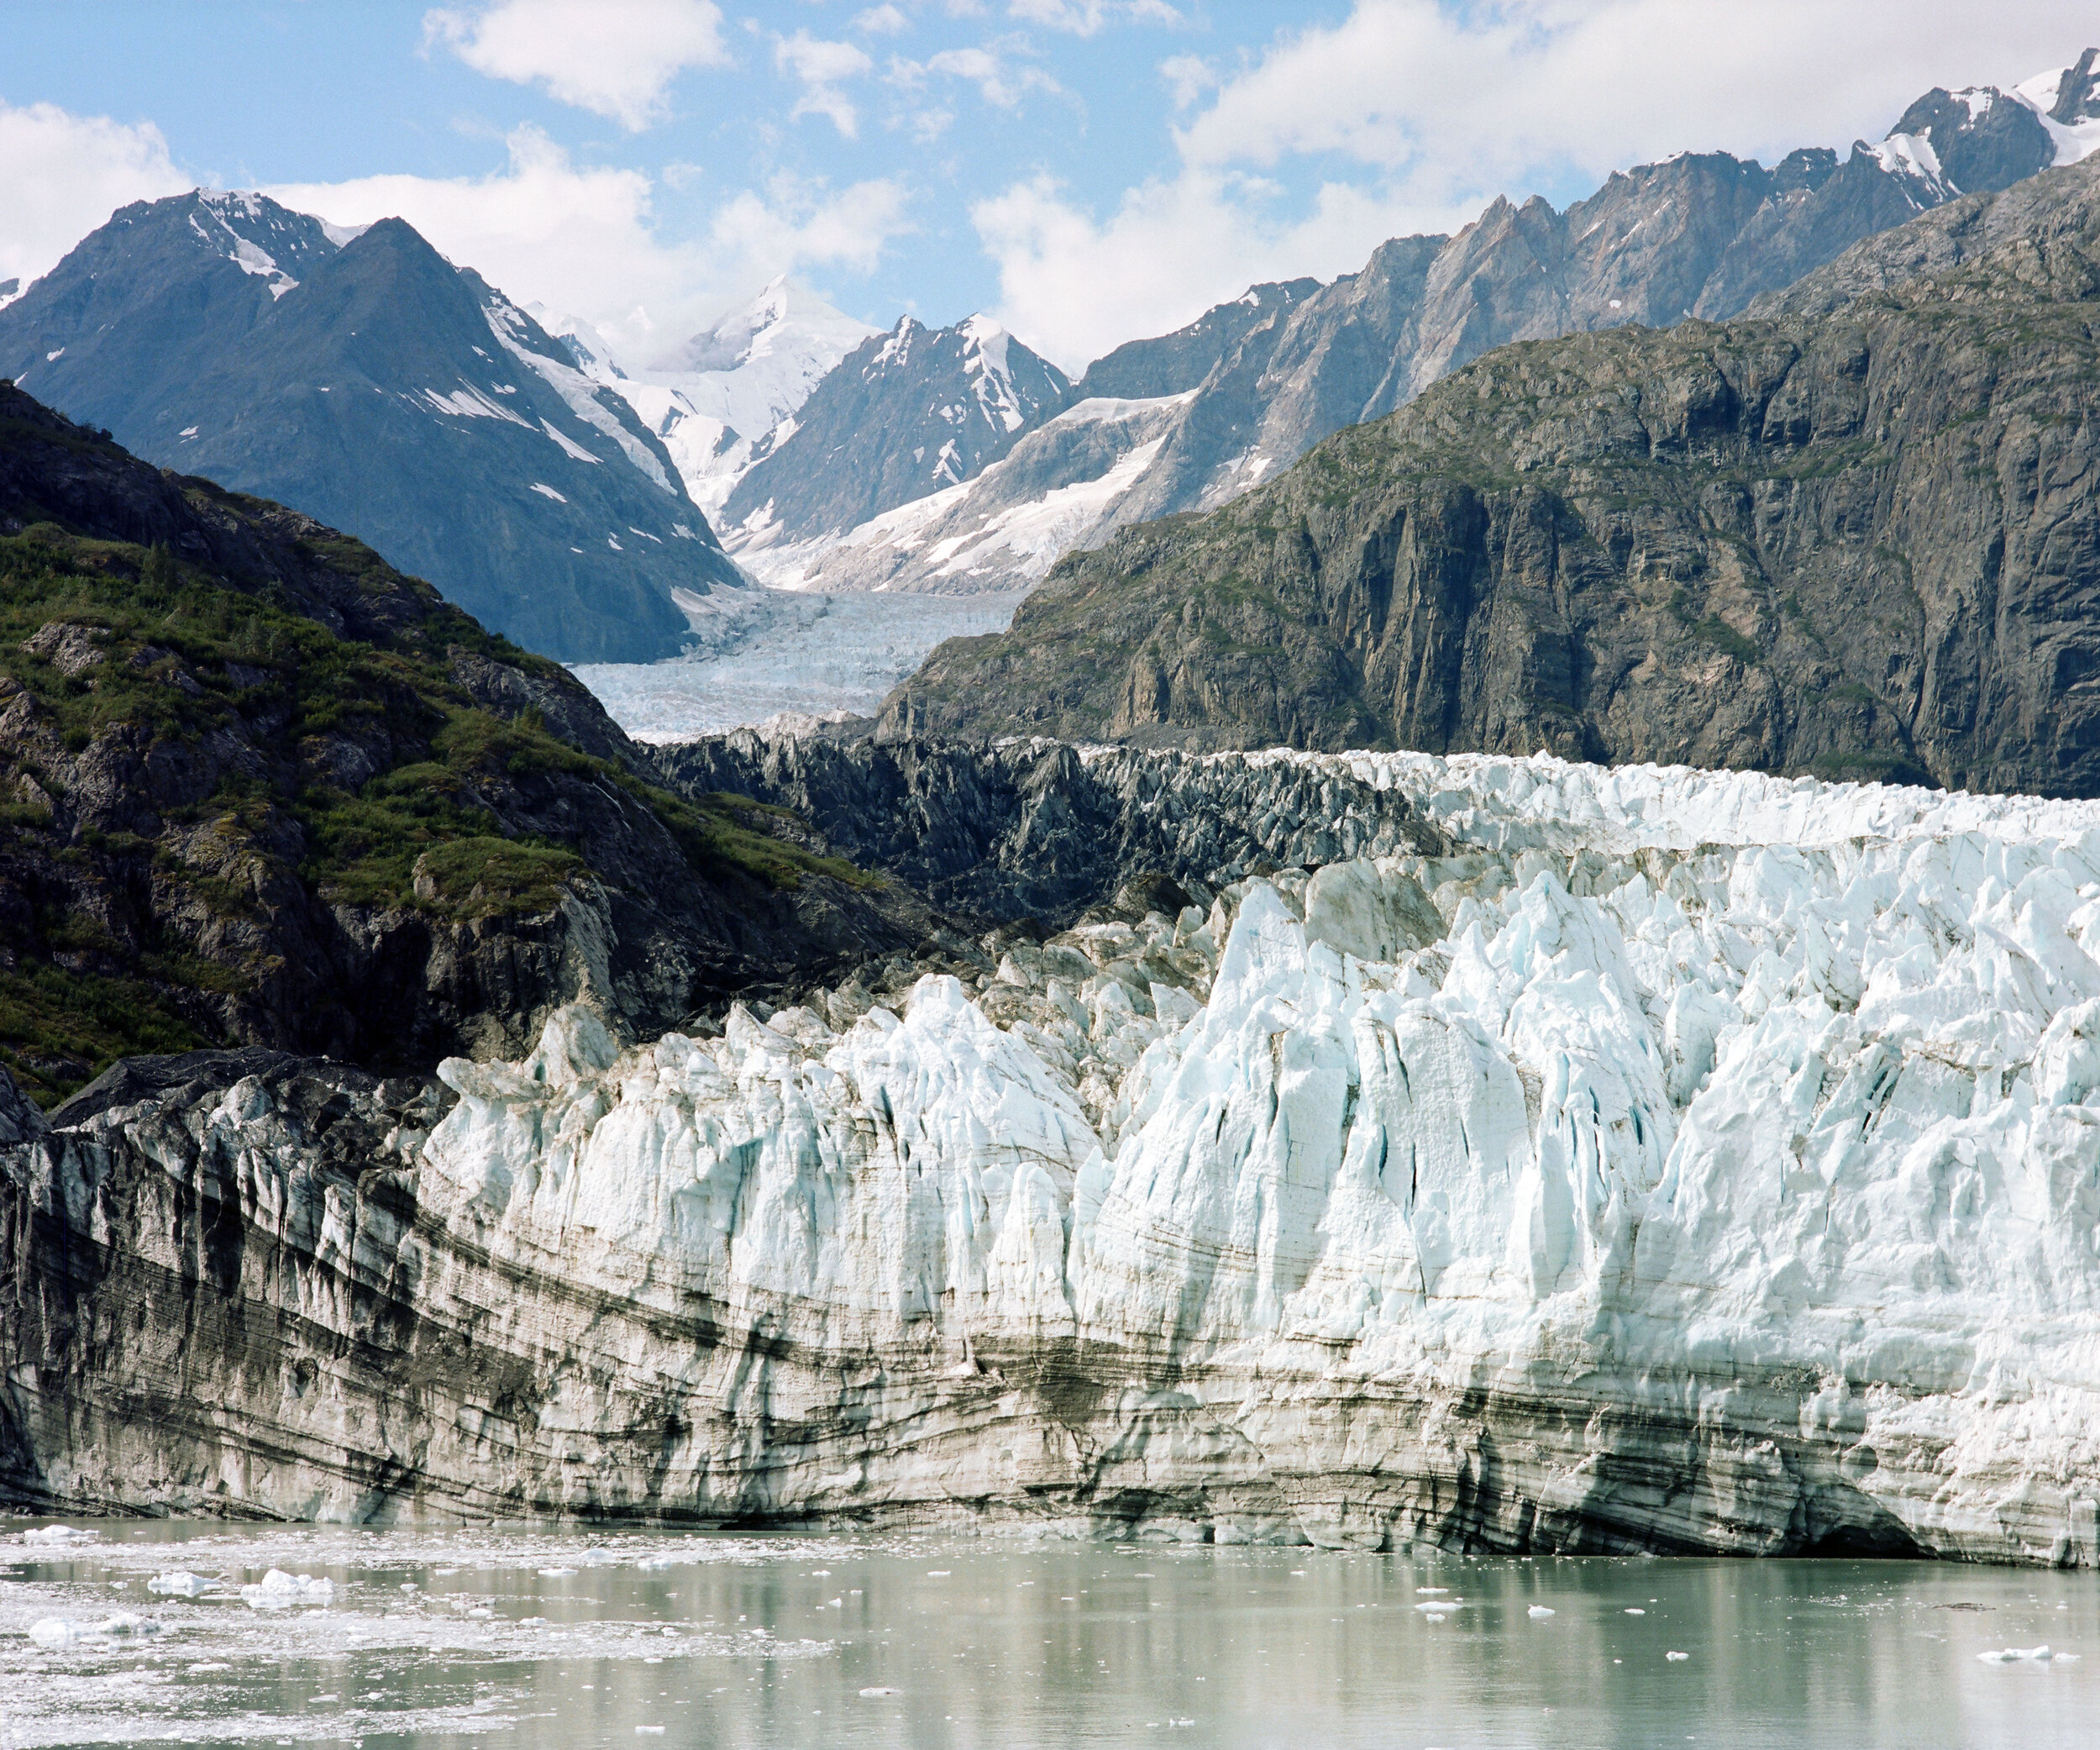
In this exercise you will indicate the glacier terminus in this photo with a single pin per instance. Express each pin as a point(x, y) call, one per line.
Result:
point(1523, 1156)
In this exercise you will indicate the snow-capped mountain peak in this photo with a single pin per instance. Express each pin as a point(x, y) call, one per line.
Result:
point(2067, 101)
point(909, 412)
point(784, 323)
point(984, 358)
point(585, 348)
point(258, 236)
point(728, 397)
point(1910, 159)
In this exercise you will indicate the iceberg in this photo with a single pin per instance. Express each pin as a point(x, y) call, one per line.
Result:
point(278, 1590)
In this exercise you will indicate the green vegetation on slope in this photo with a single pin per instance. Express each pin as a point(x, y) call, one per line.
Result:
point(260, 754)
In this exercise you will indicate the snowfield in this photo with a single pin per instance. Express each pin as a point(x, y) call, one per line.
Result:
point(1683, 1160)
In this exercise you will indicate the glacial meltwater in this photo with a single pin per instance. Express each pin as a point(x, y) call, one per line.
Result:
point(129, 1633)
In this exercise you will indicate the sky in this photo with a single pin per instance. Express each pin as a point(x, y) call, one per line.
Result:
point(1085, 170)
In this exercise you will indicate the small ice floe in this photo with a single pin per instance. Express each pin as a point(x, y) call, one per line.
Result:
point(2008, 1655)
point(57, 1634)
point(881, 1689)
point(181, 1583)
point(1539, 1610)
point(556, 1573)
point(1634, 1610)
point(1425, 1591)
point(279, 1590)
point(1441, 1603)
point(936, 1572)
point(1436, 1616)
point(644, 1731)
point(53, 1536)
point(1675, 1656)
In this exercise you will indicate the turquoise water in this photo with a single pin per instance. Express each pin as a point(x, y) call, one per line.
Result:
point(558, 1637)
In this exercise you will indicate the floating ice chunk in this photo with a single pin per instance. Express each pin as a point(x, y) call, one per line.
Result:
point(881, 1689)
point(180, 1584)
point(648, 1732)
point(556, 1573)
point(1424, 1591)
point(2002, 1655)
point(57, 1634)
point(59, 1534)
point(279, 1590)
point(1539, 1610)
point(939, 1573)
point(1676, 1655)
point(1634, 1611)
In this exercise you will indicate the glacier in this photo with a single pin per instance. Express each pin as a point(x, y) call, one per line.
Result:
point(1666, 1160)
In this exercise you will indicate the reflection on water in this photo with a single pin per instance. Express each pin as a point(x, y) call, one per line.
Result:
point(560, 1637)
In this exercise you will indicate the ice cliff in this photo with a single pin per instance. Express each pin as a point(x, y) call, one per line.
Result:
point(1682, 1161)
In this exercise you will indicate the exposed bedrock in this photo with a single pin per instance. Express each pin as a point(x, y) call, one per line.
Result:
point(1674, 1161)
point(1041, 829)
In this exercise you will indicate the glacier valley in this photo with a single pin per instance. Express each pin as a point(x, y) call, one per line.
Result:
point(1493, 1154)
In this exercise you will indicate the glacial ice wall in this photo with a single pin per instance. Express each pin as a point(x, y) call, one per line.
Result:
point(1690, 1160)
point(1684, 1161)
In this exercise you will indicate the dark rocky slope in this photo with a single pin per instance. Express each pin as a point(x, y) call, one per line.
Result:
point(261, 788)
point(1028, 830)
point(1858, 535)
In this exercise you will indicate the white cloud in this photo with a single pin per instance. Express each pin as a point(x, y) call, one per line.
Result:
point(583, 239)
point(1001, 83)
point(796, 221)
point(820, 65)
point(817, 62)
point(1083, 18)
point(1410, 115)
point(1188, 76)
point(615, 58)
point(1170, 251)
point(65, 174)
point(884, 20)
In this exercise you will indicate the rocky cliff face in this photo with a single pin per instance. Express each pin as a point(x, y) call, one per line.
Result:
point(1672, 1161)
point(1857, 536)
point(1032, 831)
point(258, 787)
point(381, 389)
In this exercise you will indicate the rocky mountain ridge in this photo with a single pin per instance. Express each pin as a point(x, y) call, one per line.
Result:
point(1855, 534)
point(1269, 375)
point(361, 375)
point(903, 415)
